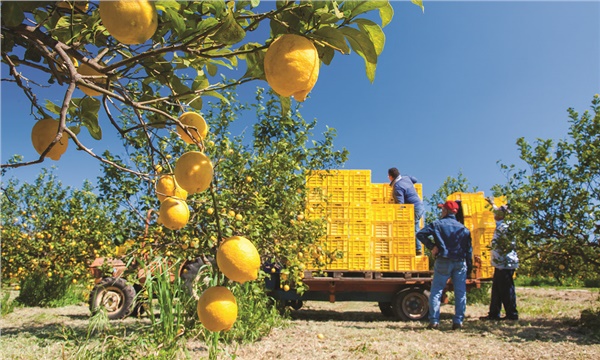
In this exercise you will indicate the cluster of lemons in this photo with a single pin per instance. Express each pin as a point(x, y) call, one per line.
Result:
point(291, 62)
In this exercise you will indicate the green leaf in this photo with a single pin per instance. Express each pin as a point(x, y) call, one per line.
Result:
point(216, 94)
point(177, 21)
point(162, 5)
point(386, 13)
point(212, 69)
point(286, 105)
point(360, 7)
point(325, 53)
point(12, 14)
point(230, 31)
point(332, 37)
point(52, 107)
point(363, 46)
point(89, 116)
point(375, 33)
point(419, 3)
point(207, 24)
point(254, 62)
point(196, 102)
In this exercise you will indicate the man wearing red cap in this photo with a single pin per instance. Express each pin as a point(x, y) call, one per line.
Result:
point(450, 244)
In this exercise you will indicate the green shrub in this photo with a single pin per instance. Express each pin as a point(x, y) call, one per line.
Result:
point(37, 289)
point(6, 305)
point(592, 283)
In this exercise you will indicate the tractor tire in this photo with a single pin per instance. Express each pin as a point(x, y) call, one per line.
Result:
point(114, 296)
point(411, 304)
point(189, 272)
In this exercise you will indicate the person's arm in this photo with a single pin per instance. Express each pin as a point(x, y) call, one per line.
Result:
point(399, 195)
point(427, 236)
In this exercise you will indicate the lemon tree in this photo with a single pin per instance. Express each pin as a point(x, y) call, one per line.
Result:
point(165, 58)
point(50, 235)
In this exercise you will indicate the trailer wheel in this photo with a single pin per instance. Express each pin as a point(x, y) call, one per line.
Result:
point(295, 304)
point(115, 296)
point(411, 304)
point(386, 309)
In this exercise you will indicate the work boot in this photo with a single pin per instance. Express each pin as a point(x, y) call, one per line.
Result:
point(456, 326)
point(513, 318)
point(433, 326)
point(490, 318)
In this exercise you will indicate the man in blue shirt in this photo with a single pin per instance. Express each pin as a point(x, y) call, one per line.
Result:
point(404, 192)
point(450, 244)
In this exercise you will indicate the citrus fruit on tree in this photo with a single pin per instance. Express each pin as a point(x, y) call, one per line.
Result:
point(87, 70)
point(174, 213)
point(238, 259)
point(195, 124)
point(166, 186)
point(129, 21)
point(292, 66)
point(194, 172)
point(43, 133)
point(217, 308)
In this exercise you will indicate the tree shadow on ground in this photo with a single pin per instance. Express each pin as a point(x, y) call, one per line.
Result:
point(525, 330)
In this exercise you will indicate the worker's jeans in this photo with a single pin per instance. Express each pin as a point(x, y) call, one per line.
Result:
point(419, 212)
point(443, 270)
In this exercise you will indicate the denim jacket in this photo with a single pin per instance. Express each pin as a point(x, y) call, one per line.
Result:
point(451, 237)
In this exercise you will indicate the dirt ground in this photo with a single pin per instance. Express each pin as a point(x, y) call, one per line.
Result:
point(357, 330)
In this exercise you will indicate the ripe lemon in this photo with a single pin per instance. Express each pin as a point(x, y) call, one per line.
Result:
point(87, 70)
point(129, 21)
point(217, 308)
point(173, 213)
point(195, 124)
point(194, 172)
point(292, 66)
point(167, 186)
point(43, 133)
point(238, 259)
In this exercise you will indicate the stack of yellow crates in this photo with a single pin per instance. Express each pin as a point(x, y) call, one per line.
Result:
point(479, 219)
point(363, 222)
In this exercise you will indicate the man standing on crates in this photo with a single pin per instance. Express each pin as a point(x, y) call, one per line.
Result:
point(404, 192)
point(450, 245)
point(504, 261)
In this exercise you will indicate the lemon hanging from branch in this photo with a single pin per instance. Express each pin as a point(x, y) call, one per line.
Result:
point(129, 21)
point(238, 259)
point(217, 308)
point(43, 133)
point(193, 172)
point(174, 213)
point(195, 125)
point(292, 66)
point(166, 186)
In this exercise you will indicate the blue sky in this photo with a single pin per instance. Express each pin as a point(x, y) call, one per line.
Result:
point(455, 87)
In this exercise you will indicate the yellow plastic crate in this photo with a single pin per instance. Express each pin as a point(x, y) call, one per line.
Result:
point(377, 193)
point(317, 179)
point(359, 228)
point(483, 236)
point(337, 243)
point(316, 195)
point(358, 195)
point(484, 220)
point(383, 262)
point(359, 212)
point(337, 195)
point(359, 262)
point(422, 263)
point(338, 178)
point(359, 178)
point(338, 264)
point(337, 211)
point(359, 245)
point(419, 189)
point(403, 229)
point(338, 227)
point(381, 246)
point(383, 212)
point(404, 262)
point(404, 246)
point(382, 229)
point(405, 212)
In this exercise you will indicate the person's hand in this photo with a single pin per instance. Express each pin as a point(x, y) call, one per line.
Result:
point(469, 273)
point(435, 251)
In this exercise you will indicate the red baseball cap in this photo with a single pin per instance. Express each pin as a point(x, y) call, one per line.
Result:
point(450, 206)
